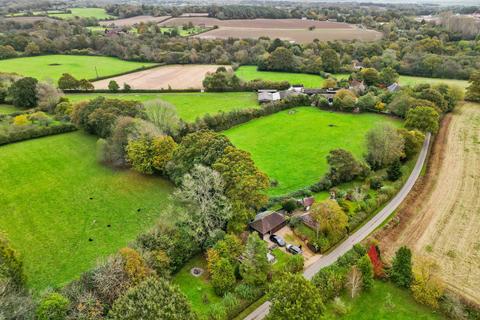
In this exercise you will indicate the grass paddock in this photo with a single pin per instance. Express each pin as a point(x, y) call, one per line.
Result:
point(53, 66)
point(97, 13)
point(190, 105)
point(291, 146)
point(62, 210)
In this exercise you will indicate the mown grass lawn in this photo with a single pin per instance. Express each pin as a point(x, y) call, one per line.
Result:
point(248, 73)
point(383, 301)
point(190, 105)
point(7, 108)
point(198, 290)
point(291, 146)
point(97, 13)
point(409, 80)
point(55, 197)
point(53, 66)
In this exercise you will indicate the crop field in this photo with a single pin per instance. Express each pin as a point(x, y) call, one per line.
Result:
point(164, 77)
point(190, 105)
point(444, 223)
point(249, 73)
point(296, 30)
point(409, 80)
point(128, 22)
point(53, 66)
point(97, 13)
point(291, 146)
point(388, 301)
point(62, 210)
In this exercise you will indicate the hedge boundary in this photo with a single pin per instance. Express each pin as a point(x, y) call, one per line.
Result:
point(37, 132)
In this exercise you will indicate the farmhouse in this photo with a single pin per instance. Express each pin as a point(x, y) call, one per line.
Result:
point(268, 222)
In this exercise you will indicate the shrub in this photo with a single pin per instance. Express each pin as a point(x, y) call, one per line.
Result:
point(339, 307)
point(289, 205)
point(366, 268)
point(152, 299)
point(113, 86)
point(134, 265)
point(330, 281)
point(247, 292)
point(23, 93)
point(222, 276)
point(394, 171)
point(376, 183)
point(401, 272)
point(53, 306)
point(21, 120)
point(11, 265)
point(294, 263)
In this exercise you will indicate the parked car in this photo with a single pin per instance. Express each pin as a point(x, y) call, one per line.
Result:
point(294, 249)
point(278, 240)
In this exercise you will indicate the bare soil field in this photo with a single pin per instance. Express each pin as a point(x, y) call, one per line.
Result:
point(128, 22)
point(441, 217)
point(287, 29)
point(27, 19)
point(258, 23)
point(173, 76)
point(295, 35)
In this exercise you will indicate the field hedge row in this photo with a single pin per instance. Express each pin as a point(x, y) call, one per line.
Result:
point(36, 132)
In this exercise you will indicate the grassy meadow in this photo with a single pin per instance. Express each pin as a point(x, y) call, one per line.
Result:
point(291, 146)
point(190, 105)
point(248, 73)
point(7, 109)
point(53, 66)
point(62, 210)
point(383, 301)
point(411, 81)
point(97, 13)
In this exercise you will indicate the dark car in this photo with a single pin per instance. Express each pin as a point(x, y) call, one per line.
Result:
point(294, 249)
point(278, 240)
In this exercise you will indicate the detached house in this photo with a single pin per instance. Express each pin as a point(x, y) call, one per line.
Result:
point(268, 222)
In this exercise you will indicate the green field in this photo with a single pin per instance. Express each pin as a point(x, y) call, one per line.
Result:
point(55, 197)
point(196, 288)
point(190, 105)
point(7, 108)
point(291, 146)
point(249, 73)
point(97, 13)
point(409, 80)
point(383, 301)
point(53, 66)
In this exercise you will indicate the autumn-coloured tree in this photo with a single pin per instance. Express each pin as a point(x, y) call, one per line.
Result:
point(354, 282)
point(377, 264)
point(330, 218)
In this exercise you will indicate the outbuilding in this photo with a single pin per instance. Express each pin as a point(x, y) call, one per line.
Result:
point(268, 223)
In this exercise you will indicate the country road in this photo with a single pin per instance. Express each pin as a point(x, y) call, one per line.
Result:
point(326, 260)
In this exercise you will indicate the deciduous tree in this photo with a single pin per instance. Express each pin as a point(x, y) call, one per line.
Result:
point(331, 219)
point(385, 145)
point(23, 93)
point(255, 267)
point(425, 119)
point(163, 115)
point(473, 90)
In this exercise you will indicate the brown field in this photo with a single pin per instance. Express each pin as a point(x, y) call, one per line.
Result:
point(27, 19)
point(295, 35)
point(128, 22)
point(295, 30)
point(258, 23)
point(441, 217)
point(175, 76)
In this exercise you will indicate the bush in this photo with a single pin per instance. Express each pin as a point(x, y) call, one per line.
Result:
point(339, 307)
point(289, 205)
point(54, 306)
point(247, 292)
point(32, 132)
point(294, 263)
point(376, 183)
point(330, 281)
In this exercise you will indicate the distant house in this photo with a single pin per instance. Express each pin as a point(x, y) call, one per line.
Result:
point(307, 203)
point(357, 86)
point(357, 65)
point(268, 223)
point(265, 96)
point(394, 87)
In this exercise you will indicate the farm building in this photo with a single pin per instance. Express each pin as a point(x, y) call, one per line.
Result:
point(306, 203)
point(394, 87)
point(268, 222)
point(270, 95)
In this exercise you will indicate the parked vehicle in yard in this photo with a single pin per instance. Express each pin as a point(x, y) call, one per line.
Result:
point(278, 240)
point(294, 249)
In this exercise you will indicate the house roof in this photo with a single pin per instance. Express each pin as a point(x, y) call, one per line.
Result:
point(393, 87)
point(267, 222)
point(307, 202)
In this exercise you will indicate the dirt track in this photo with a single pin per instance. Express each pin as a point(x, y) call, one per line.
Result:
point(441, 219)
point(175, 76)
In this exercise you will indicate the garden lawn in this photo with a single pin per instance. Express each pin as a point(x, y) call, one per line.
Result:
point(190, 105)
point(409, 80)
point(291, 146)
point(97, 13)
point(53, 66)
point(196, 288)
point(249, 73)
point(383, 301)
point(7, 109)
point(55, 197)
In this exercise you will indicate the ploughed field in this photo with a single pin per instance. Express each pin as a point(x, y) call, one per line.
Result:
point(62, 210)
point(82, 67)
point(189, 105)
point(291, 146)
point(441, 219)
point(248, 73)
point(297, 30)
point(128, 22)
point(172, 76)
